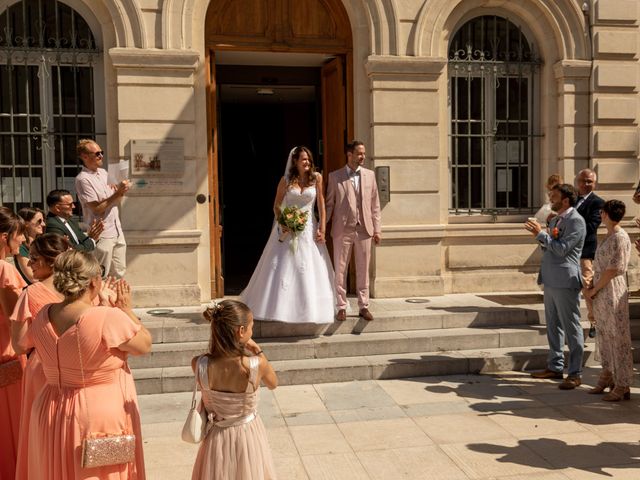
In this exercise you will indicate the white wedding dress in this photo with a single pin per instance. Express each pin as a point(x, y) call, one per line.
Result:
point(293, 287)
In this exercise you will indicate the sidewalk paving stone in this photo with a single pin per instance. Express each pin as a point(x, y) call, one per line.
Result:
point(504, 427)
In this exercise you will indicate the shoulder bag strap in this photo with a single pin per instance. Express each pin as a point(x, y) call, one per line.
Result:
point(195, 383)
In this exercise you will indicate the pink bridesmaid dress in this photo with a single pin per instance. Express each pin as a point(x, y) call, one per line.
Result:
point(64, 412)
point(10, 395)
point(235, 446)
point(30, 302)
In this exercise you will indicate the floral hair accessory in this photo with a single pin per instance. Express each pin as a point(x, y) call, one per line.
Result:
point(215, 306)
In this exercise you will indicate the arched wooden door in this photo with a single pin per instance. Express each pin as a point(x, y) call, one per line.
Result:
point(296, 26)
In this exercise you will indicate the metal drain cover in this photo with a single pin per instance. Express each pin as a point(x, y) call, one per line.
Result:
point(159, 311)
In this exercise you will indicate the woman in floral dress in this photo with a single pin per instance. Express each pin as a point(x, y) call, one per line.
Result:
point(611, 306)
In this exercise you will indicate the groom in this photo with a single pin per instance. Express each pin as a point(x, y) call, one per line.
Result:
point(354, 207)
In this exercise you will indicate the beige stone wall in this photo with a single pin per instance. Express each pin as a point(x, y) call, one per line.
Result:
point(155, 88)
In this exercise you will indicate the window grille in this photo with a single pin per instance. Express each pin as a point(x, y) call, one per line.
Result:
point(492, 73)
point(47, 59)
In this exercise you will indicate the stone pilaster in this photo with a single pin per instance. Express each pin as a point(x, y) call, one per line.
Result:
point(408, 128)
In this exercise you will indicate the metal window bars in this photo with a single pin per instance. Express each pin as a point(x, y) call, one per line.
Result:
point(492, 73)
point(47, 59)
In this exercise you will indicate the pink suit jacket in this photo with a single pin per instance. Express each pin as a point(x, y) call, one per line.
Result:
point(341, 201)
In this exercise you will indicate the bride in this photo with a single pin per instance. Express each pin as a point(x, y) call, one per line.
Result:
point(294, 284)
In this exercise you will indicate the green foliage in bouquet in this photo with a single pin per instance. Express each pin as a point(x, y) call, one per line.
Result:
point(293, 218)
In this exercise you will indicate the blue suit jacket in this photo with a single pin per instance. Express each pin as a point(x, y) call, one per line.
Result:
point(561, 259)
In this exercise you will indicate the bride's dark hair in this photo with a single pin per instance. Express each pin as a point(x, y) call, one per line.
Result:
point(293, 171)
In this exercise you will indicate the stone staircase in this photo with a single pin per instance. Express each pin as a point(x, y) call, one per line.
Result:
point(448, 335)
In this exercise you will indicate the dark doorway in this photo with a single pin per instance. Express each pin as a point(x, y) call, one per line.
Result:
point(263, 113)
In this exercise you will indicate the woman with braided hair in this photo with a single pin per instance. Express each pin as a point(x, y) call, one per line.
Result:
point(89, 390)
point(235, 445)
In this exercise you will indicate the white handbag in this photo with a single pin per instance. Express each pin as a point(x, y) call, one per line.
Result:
point(195, 426)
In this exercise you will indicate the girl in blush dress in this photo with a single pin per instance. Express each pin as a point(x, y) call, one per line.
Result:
point(42, 253)
point(303, 273)
point(235, 445)
point(11, 365)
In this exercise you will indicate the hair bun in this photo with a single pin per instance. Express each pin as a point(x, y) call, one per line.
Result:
point(213, 309)
point(73, 271)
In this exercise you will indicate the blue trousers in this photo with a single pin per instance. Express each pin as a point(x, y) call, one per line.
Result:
point(562, 313)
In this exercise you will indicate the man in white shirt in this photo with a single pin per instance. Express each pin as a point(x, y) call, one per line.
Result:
point(100, 201)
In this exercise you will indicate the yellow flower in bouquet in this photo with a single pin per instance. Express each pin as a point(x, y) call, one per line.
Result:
point(294, 220)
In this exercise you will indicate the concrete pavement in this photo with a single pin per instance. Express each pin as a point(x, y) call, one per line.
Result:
point(505, 426)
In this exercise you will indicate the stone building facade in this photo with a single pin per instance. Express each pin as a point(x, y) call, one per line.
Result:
point(470, 103)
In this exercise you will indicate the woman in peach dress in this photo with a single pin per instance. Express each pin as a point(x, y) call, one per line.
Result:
point(89, 388)
point(11, 365)
point(43, 251)
point(235, 446)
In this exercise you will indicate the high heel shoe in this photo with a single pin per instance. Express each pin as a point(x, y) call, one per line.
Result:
point(604, 382)
point(617, 394)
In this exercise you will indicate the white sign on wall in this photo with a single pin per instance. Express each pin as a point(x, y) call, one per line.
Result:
point(158, 167)
point(157, 157)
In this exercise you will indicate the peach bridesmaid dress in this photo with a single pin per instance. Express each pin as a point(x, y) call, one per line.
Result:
point(31, 301)
point(64, 412)
point(10, 395)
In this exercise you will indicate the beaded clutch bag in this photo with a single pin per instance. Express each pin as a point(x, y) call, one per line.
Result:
point(99, 451)
point(10, 372)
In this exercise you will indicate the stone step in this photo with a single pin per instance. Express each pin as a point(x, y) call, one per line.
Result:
point(371, 367)
point(192, 328)
point(377, 343)
point(374, 343)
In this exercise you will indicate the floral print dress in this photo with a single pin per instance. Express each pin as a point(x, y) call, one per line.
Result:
point(611, 308)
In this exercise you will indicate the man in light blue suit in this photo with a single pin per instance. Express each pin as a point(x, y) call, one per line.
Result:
point(562, 279)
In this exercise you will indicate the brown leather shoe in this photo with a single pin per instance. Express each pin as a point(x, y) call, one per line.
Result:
point(570, 383)
point(341, 316)
point(547, 374)
point(366, 314)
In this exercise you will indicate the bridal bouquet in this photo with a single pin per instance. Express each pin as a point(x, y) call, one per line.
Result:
point(294, 220)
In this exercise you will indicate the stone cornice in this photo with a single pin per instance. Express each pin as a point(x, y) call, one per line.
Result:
point(163, 237)
point(572, 69)
point(393, 65)
point(155, 59)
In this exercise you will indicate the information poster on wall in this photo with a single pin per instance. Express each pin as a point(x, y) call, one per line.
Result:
point(152, 158)
point(158, 167)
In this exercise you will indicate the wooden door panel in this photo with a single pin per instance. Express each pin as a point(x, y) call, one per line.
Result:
point(310, 20)
point(278, 25)
point(334, 114)
point(215, 227)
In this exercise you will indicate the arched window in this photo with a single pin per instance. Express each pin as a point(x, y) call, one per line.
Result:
point(492, 72)
point(47, 59)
